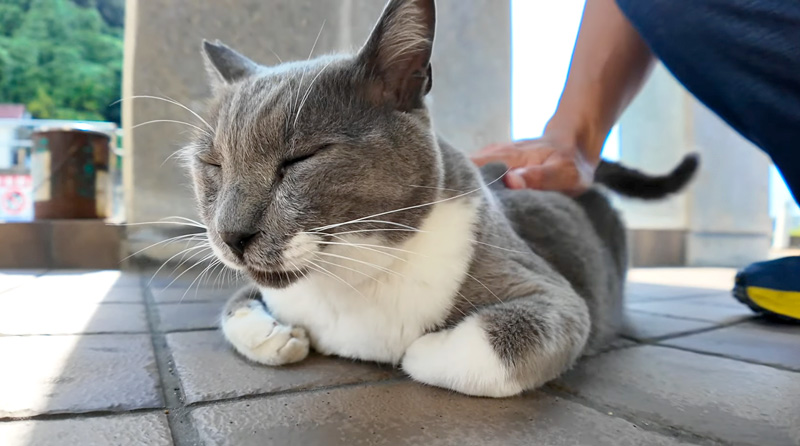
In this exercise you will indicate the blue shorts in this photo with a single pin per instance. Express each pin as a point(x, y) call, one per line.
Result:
point(741, 58)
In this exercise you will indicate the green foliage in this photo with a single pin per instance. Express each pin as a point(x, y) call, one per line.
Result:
point(62, 58)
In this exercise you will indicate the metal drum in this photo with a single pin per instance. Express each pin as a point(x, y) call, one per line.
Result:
point(69, 168)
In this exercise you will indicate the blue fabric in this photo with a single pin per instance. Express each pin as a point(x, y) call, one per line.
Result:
point(779, 274)
point(741, 58)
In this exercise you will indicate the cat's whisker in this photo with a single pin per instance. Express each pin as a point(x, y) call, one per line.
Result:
point(498, 247)
point(215, 263)
point(361, 231)
point(202, 248)
point(276, 55)
point(378, 267)
point(455, 307)
point(466, 300)
point(171, 101)
point(178, 217)
point(436, 188)
point(313, 46)
point(364, 247)
point(173, 121)
point(217, 283)
point(175, 269)
point(294, 269)
point(484, 285)
point(208, 256)
point(202, 273)
point(390, 223)
point(308, 92)
point(416, 206)
point(188, 237)
point(347, 268)
point(161, 223)
point(344, 240)
point(322, 270)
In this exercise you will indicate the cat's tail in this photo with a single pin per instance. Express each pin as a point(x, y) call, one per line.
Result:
point(636, 184)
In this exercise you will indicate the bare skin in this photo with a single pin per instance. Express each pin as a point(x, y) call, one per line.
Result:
point(609, 65)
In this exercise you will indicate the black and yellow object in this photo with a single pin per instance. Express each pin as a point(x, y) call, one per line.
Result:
point(771, 288)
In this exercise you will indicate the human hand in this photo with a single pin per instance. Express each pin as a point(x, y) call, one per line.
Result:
point(541, 163)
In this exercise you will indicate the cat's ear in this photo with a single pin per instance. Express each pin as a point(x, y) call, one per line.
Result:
point(398, 52)
point(225, 65)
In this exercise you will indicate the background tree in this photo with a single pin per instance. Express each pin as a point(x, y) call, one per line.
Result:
point(62, 58)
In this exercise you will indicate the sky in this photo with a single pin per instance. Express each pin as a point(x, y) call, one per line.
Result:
point(543, 34)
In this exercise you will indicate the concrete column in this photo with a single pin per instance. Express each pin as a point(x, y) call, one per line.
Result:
point(470, 98)
point(722, 219)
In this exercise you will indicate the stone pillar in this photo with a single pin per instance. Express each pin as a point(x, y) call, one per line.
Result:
point(470, 98)
point(723, 217)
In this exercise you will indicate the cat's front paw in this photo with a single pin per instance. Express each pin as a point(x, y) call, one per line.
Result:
point(259, 337)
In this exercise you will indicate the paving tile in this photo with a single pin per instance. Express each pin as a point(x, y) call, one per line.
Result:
point(49, 292)
point(645, 326)
point(30, 315)
point(730, 400)
point(126, 430)
point(189, 315)
point(10, 279)
point(639, 292)
point(709, 278)
point(209, 370)
point(759, 341)
point(58, 374)
point(715, 309)
point(406, 413)
point(178, 294)
point(169, 278)
point(80, 286)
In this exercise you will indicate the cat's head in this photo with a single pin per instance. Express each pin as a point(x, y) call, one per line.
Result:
point(297, 149)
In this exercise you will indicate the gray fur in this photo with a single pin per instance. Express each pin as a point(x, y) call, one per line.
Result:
point(547, 274)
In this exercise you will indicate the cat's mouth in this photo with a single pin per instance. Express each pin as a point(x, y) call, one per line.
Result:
point(276, 278)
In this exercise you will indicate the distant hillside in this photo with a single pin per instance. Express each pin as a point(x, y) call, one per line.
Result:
point(62, 58)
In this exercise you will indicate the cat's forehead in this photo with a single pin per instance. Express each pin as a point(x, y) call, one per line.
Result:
point(270, 103)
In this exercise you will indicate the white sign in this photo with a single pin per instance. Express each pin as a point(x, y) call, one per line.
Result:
point(16, 197)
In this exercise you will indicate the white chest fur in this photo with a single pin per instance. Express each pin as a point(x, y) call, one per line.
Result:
point(382, 298)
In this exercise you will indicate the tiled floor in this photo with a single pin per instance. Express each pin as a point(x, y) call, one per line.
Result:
point(103, 358)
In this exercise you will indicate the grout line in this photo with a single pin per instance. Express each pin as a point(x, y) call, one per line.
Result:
point(106, 333)
point(55, 335)
point(641, 299)
point(685, 318)
point(297, 391)
point(180, 426)
point(647, 424)
point(81, 415)
point(685, 333)
point(721, 355)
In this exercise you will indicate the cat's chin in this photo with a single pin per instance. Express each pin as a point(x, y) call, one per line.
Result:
point(276, 279)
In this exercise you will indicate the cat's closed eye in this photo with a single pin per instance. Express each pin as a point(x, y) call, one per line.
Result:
point(209, 161)
point(293, 161)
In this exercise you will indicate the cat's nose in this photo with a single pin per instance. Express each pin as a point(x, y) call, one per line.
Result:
point(237, 241)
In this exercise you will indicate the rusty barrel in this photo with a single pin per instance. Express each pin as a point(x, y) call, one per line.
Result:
point(69, 169)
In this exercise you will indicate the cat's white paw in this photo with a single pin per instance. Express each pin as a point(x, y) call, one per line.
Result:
point(259, 337)
point(460, 359)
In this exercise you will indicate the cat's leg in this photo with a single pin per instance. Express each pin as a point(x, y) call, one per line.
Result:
point(506, 348)
point(254, 333)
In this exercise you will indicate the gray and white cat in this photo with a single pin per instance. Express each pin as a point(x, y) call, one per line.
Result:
point(368, 238)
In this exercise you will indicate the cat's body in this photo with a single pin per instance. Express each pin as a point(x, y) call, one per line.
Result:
point(386, 245)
